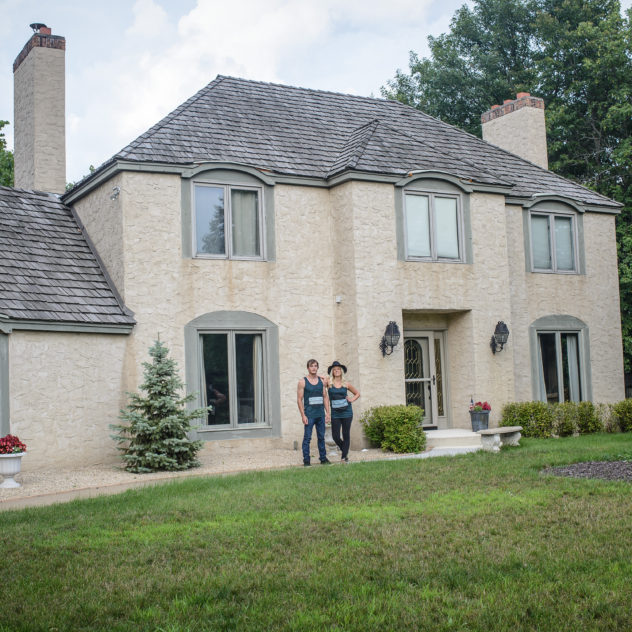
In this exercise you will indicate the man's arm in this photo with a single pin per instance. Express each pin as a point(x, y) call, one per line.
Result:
point(300, 400)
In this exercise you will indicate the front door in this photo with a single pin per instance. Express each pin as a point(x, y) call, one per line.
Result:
point(423, 376)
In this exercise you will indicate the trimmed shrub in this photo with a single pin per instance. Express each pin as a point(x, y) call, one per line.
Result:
point(588, 418)
point(536, 418)
point(607, 418)
point(395, 428)
point(565, 419)
point(622, 412)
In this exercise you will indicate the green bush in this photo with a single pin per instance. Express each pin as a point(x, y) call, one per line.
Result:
point(588, 418)
point(395, 428)
point(622, 412)
point(536, 418)
point(564, 419)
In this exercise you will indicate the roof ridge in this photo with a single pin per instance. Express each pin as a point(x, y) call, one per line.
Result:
point(445, 152)
point(360, 136)
point(169, 117)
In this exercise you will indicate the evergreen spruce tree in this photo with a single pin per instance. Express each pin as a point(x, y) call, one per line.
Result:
point(154, 433)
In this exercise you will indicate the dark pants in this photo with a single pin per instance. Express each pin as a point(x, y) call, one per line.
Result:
point(346, 434)
point(319, 422)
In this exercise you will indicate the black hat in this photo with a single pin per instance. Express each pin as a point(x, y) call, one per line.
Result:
point(336, 363)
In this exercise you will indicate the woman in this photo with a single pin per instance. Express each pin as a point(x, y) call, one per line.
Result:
point(341, 395)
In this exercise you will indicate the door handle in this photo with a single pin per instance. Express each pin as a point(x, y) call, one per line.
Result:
point(433, 380)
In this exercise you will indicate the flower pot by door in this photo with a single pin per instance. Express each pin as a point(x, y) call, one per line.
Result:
point(10, 465)
point(480, 419)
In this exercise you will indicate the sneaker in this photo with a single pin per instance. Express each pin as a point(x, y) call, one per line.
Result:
point(306, 463)
point(325, 461)
point(345, 459)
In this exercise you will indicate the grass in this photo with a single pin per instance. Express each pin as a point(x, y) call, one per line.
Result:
point(475, 542)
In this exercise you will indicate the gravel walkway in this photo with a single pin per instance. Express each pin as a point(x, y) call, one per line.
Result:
point(607, 470)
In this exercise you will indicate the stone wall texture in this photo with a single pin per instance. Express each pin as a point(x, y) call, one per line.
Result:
point(66, 389)
point(522, 132)
point(40, 121)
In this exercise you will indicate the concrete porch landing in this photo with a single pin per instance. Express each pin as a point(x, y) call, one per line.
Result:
point(451, 441)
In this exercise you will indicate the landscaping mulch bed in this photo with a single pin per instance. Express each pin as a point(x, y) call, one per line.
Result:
point(607, 470)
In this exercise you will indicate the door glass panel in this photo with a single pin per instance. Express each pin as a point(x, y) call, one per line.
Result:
point(413, 367)
point(549, 367)
point(541, 242)
point(417, 226)
point(215, 377)
point(446, 226)
point(249, 367)
point(564, 254)
point(439, 376)
point(245, 223)
point(209, 220)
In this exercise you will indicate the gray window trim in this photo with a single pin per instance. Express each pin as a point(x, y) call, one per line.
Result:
point(5, 426)
point(434, 188)
point(235, 322)
point(230, 178)
point(559, 324)
point(555, 208)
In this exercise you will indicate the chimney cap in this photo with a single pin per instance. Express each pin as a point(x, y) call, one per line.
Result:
point(36, 26)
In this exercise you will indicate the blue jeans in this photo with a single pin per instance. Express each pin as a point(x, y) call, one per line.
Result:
point(319, 422)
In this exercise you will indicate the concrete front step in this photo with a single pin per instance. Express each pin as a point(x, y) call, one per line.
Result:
point(453, 438)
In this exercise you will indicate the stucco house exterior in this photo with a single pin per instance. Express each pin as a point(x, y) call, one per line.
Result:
point(259, 225)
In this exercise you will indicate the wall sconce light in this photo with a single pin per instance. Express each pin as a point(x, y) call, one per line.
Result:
point(389, 339)
point(499, 339)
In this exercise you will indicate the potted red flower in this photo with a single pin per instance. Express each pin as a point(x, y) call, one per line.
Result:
point(479, 415)
point(11, 452)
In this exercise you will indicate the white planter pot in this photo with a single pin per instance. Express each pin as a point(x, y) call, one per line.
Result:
point(10, 465)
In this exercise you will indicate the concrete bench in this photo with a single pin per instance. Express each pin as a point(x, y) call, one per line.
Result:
point(494, 438)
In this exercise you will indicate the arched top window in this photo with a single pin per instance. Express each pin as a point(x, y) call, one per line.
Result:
point(228, 213)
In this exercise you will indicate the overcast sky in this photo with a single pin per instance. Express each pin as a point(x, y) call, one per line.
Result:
point(130, 62)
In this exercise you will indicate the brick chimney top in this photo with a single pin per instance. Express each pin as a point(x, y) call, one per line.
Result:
point(522, 100)
point(41, 38)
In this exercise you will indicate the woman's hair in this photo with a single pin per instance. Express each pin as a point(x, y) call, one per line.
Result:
point(342, 377)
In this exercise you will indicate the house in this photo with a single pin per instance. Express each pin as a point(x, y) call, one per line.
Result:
point(259, 225)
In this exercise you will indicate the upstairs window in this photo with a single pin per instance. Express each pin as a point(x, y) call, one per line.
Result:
point(228, 222)
point(553, 243)
point(433, 227)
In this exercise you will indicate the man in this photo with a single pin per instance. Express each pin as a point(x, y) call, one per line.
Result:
point(313, 403)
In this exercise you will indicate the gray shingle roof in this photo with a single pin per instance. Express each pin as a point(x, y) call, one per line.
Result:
point(302, 132)
point(47, 269)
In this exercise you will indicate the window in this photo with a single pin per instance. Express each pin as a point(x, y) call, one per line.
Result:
point(553, 242)
point(560, 359)
point(232, 378)
point(432, 225)
point(559, 367)
point(228, 221)
point(232, 366)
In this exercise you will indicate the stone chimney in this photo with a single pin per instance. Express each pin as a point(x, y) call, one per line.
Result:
point(518, 126)
point(40, 112)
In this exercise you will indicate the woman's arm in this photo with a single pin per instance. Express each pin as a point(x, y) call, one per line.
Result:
point(355, 391)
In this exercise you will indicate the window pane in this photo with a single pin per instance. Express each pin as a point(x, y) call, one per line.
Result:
point(417, 226)
point(446, 226)
point(209, 220)
point(245, 223)
point(548, 368)
point(541, 242)
point(249, 365)
point(215, 377)
point(570, 368)
point(564, 254)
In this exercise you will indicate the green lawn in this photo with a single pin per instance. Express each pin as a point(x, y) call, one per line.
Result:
point(475, 542)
